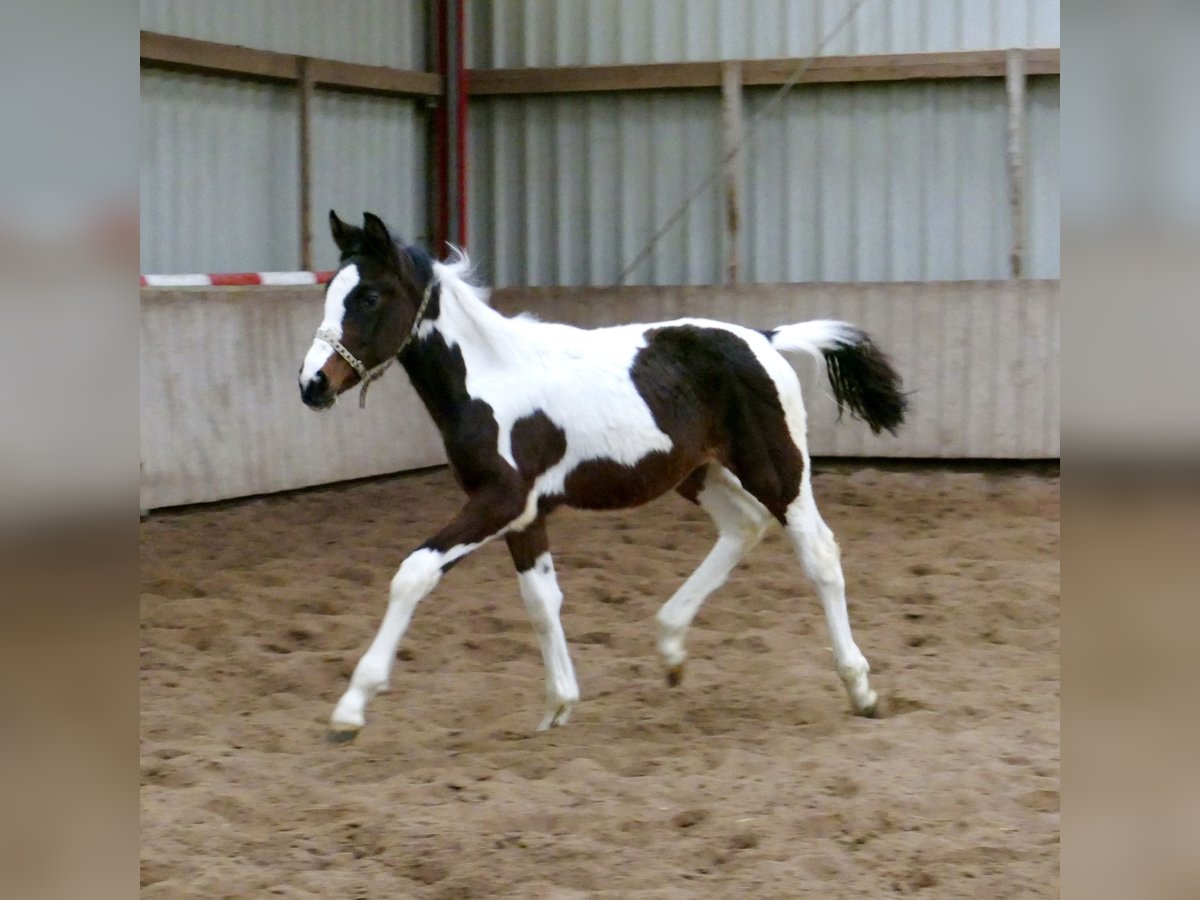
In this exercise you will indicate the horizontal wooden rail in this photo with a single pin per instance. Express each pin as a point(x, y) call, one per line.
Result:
point(163, 51)
point(757, 72)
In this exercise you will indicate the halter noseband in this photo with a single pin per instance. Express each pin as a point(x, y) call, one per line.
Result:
point(368, 375)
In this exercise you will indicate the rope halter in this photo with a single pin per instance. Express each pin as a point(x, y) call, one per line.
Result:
point(366, 376)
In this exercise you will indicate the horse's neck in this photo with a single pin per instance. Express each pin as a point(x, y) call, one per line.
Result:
point(466, 335)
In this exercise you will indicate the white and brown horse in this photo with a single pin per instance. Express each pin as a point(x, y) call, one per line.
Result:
point(535, 415)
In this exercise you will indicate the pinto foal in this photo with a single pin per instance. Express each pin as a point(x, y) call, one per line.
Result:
point(535, 415)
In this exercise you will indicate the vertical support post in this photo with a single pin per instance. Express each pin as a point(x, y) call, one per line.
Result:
point(456, 116)
point(450, 123)
point(439, 220)
point(463, 96)
point(1015, 83)
point(731, 109)
point(306, 91)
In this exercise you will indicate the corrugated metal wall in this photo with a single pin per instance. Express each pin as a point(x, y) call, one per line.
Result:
point(1042, 192)
point(870, 182)
point(875, 182)
point(516, 33)
point(565, 190)
point(220, 171)
point(374, 32)
point(220, 156)
point(896, 182)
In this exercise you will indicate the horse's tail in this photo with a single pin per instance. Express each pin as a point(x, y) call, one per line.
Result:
point(861, 375)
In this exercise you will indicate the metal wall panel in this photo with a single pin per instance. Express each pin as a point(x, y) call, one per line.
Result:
point(369, 154)
point(219, 175)
point(869, 182)
point(1042, 180)
point(567, 190)
point(516, 33)
point(375, 32)
point(220, 171)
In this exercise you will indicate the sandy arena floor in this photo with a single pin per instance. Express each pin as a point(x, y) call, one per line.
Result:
point(751, 780)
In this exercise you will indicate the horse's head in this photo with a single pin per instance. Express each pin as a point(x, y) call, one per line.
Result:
point(372, 306)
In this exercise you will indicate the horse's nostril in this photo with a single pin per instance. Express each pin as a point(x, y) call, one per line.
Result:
point(316, 390)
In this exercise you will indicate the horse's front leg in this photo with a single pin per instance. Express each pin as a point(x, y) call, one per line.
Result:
point(543, 601)
point(488, 514)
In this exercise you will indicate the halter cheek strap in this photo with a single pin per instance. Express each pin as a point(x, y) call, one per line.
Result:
point(368, 375)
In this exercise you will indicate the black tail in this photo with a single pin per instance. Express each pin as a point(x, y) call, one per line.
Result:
point(863, 379)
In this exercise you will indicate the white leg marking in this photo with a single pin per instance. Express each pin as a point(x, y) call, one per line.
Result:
point(818, 551)
point(741, 522)
point(417, 576)
point(543, 601)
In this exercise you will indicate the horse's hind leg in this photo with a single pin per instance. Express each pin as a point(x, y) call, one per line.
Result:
point(741, 522)
point(543, 600)
point(818, 551)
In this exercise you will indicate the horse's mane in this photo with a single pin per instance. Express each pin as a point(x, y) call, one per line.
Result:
point(457, 267)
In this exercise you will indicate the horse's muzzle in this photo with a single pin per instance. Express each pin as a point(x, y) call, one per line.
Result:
point(317, 394)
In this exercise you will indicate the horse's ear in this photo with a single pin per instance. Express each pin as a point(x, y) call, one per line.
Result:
point(347, 237)
point(378, 239)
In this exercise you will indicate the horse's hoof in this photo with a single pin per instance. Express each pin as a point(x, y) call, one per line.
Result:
point(556, 717)
point(341, 735)
point(871, 710)
point(675, 675)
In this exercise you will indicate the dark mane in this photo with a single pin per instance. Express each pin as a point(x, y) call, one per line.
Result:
point(422, 262)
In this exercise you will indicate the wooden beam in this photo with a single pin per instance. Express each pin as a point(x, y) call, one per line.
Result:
point(169, 52)
point(330, 73)
point(731, 114)
point(306, 92)
point(757, 72)
point(1015, 84)
point(163, 51)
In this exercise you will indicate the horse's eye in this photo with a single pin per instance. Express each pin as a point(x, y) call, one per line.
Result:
point(370, 301)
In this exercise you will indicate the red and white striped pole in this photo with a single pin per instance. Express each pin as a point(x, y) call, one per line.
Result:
point(236, 279)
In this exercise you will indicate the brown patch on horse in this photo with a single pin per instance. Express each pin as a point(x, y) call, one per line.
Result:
point(468, 425)
point(691, 486)
point(709, 393)
point(604, 484)
point(470, 434)
point(526, 546)
point(537, 444)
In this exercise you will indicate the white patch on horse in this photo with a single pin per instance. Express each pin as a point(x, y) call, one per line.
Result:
point(522, 366)
point(339, 289)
